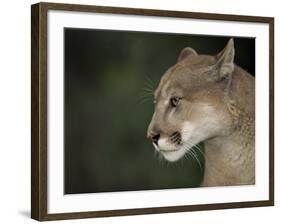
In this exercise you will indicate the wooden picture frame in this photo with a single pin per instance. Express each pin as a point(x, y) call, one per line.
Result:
point(39, 108)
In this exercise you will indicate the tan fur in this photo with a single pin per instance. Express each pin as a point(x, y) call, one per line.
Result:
point(216, 107)
point(230, 160)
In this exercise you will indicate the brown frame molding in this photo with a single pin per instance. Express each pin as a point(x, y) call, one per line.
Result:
point(39, 110)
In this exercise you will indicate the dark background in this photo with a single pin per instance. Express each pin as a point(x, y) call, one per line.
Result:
point(109, 76)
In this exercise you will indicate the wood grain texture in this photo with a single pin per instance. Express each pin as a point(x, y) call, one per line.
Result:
point(34, 113)
point(38, 112)
point(271, 111)
point(39, 121)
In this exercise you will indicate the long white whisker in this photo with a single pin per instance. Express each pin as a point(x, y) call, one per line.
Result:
point(200, 151)
point(147, 90)
point(149, 81)
point(186, 155)
point(195, 157)
point(190, 150)
point(145, 95)
point(149, 86)
point(142, 100)
point(197, 148)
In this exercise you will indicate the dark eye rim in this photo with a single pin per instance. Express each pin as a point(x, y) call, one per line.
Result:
point(174, 101)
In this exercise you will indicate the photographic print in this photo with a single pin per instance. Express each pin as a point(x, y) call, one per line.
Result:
point(138, 111)
point(146, 111)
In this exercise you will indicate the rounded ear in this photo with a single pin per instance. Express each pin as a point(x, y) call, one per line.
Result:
point(185, 53)
point(225, 60)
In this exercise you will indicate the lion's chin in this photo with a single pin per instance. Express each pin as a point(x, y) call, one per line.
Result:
point(170, 152)
point(172, 155)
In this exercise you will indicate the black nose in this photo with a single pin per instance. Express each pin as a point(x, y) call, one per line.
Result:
point(155, 138)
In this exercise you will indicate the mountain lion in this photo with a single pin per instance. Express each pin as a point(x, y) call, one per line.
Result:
point(207, 99)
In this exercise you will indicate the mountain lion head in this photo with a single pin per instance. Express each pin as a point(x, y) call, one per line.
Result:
point(191, 102)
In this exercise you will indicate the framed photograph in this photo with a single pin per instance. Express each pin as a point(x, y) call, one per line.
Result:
point(138, 111)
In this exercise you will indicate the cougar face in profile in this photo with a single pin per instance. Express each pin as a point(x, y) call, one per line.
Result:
point(207, 99)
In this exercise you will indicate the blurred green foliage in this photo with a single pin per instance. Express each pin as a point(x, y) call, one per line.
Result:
point(109, 79)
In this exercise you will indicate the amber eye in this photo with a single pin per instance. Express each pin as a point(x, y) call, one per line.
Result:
point(174, 101)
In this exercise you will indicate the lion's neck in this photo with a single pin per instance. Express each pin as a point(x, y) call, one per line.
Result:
point(230, 158)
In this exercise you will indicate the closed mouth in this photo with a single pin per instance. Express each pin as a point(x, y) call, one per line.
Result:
point(172, 155)
point(168, 151)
